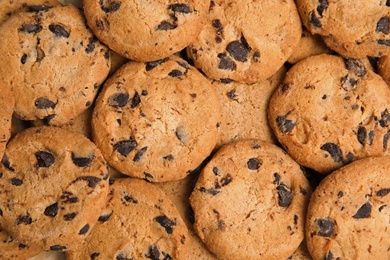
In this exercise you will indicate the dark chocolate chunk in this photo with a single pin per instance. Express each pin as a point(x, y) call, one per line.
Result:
point(325, 227)
point(23, 59)
point(383, 25)
point(153, 64)
point(364, 211)
point(225, 62)
point(44, 103)
point(166, 223)
point(21, 246)
point(383, 192)
point(169, 157)
point(5, 161)
point(175, 73)
point(256, 56)
point(180, 8)
point(362, 134)
point(49, 118)
point(92, 180)
point(237, 50)
point(348, 83)
point(118, 100)
point(100, 24)
point(166, 26)
point(68, 198)
point(59, 30)
point(356, 66)
point(285, 195)
point(91, 45)
point(94, 255)
point(16, 182)
point(121, 256)
point(52, 210)
point(30, 28)
point(253, 164)
point(114, 6)
point(226, 180)
point(313, 19)
point(323, 5)
point(25, 219)
point(216, 171)
point(44, 158)
point(57, 248)
point(104, 218)
point(386, 138)
point(130, 199)
point(82, 161)
point(384, 121)
point(329, 256)
point(226, 80)
point(183, 64)
point(277, 178)
point(70, 216)
point(285, 87)
point(38, 8)
point(209, 191)
point(218, 25)
point(84, 230)
point(167, 256)
point(139, 154)
point(231, 94)
point(148, 175)
point(126, 146)
point(384, 42)
point(153, 253)
point(135, 101)
point(333, 150)
point(285, 125)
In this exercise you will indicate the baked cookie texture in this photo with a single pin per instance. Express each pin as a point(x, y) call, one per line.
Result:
point(54, 183)
point(156, 120)
point(249, 200)
point(138, 221)
point(47, 52)
point(146, 30)
point(330, 111)
point(7, 102)
point(348, 214)
point(244, 109)
point(246, 41)
point(351, 33)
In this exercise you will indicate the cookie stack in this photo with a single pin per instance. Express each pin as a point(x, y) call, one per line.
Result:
point(194, 129)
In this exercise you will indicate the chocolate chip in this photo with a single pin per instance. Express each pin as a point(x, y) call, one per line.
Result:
point(153, 253)
point(333, 150)
point(277, 178)
point(122, 256)
point(183, 64)
point(329, 256)
point(91, 45)
point(209, 191)
point(348, 83)
point(26, 219)
point(38, 8)
point(148, 175)
point(226, 180)
point(82, 161)
point(253, 164)
point(387, 2)
point(166, 26)
point(115, 6)
point(136, 100)
point(285, 125)
point(23, 59)
point(57, 248)
point(5, 161)
point(285, 195)
point(340, 194)
point(383, 25)
point(22, 246)
point(364, 211)
point(313, 19)
point(326, 227)
point(94, 255)
point(16, 182)
point(225, 62)
point(169, 157)
point(175, 73)
point(44, 103)
point(166, 223)
point(153, 64)
point(383, 192)
point(322, 7)
point(237, 50)
point(216, 171)
point(49, 118)
point(130, 199)
point(118, 100)
point(112, 7)
point(226, 80)
point(68, 198)
point(100, 24)
point(285, 87)
point(139, 154)
point(105, 217)
point(384, 121)
point(70, 216)
point(362, 134)
point(59, 30)
point(126, 146)
point(356, 66)
point(180, 8)
point(256, 56)
point(384, 42)
point(92, 180)
point(44, 158)
point(386, 138)
point(218, 25)
point(52, 210)
point(30, 28)
point(231, 94)
point(84, 230)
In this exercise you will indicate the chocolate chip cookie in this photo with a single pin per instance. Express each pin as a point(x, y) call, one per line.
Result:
point(250, 202)
point(348, 214)
point(7, 102)
point(156, 120)
point(246, 41)
point(54, 183)
point(330, 111)
point(55, 65)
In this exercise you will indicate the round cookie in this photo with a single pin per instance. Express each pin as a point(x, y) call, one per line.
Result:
point(47, 53)
point(8, 103)
point(146, 30)
point(330, 111)
point(348, 214)
point(244, 109)
point(250, 202)
point(156, 120)
point(54, 183)
point(246, 41)
point(137, 222)
point(354, 29)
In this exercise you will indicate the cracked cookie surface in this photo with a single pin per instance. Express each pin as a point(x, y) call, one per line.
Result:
point(46, 52)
